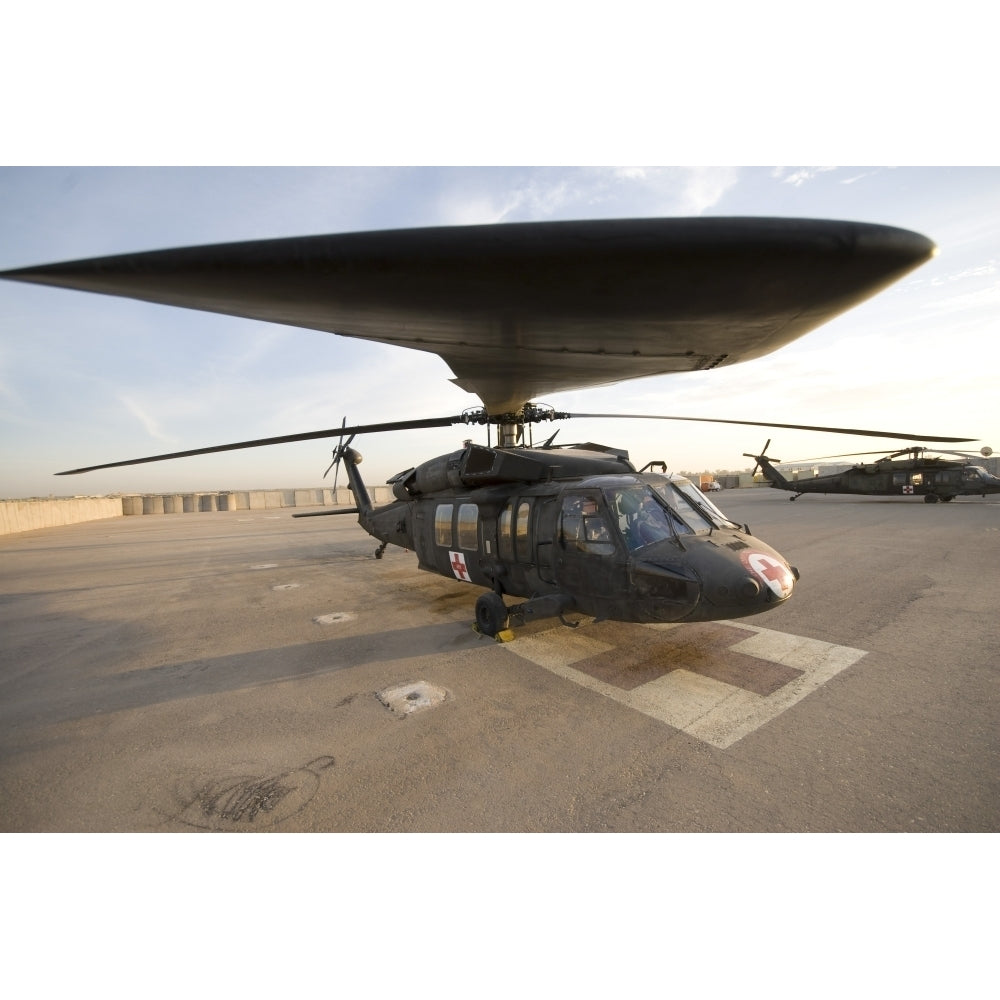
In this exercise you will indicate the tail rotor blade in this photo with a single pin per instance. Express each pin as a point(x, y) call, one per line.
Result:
point(341, 448)
point(756, 468)
point(336, 456)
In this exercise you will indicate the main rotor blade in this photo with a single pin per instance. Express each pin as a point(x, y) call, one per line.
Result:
point(851, 454)
point(762, 423)
point(430, 422)
point(401, 425)
point(524, 309)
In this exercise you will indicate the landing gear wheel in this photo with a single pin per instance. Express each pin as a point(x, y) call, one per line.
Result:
point(491, 614)
point(947, 499)
point(931, 498)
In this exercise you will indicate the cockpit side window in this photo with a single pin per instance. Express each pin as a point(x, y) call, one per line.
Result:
point(584, 526)
point(642, 518)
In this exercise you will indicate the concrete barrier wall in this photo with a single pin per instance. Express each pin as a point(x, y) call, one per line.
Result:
point(189, 503)
point(29, 515)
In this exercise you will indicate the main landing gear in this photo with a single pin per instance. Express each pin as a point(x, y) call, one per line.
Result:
point(495, 619)
point(492, 616)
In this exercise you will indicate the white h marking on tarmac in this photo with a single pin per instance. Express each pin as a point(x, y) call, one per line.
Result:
point(712, 710)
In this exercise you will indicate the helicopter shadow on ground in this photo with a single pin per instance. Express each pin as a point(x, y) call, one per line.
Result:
point(38, 698)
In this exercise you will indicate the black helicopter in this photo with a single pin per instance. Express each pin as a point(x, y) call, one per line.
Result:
point(521, 309)
point(919, 474)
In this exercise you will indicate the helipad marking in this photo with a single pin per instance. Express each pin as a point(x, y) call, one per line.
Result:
point(286, 586)
point(714, 711)
point(264, 566)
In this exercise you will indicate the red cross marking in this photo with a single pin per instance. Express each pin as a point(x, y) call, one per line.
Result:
point(772, 570)
point(459, 568)
point(775, 575)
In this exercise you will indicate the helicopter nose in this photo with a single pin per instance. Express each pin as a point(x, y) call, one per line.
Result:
point(758, 579)
point(773, 577)
point(718, 578)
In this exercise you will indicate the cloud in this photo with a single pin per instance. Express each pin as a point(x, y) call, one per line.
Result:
point(705, 187)
point(799, 175)
point(630, 173)
point(983, 301)
point(975, 271)
point(150, 424)
point(584, 192)
point(858, 177)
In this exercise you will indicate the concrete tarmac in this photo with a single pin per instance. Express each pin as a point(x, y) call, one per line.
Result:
point(247, 671)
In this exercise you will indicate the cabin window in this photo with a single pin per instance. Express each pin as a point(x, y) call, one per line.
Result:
point(442, 525)
point(917, 479)
point(899, 478)
point(468, 526)
point(505, 533)
point(523, 520)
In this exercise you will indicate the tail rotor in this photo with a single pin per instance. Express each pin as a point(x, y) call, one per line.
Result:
point(757, 458)
point(338, 454)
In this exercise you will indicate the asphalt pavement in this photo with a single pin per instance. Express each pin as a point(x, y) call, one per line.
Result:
point(247, 671)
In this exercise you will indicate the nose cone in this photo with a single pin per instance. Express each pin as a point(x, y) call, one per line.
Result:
point(742, 577)
point(713, 578)
point(771, 570)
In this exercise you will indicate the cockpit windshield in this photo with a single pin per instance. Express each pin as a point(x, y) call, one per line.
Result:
point(692, 504)
point(644, 516)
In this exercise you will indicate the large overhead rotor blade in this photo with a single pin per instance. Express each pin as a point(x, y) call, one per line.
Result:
point(520, 310)
point(900, 435)
point(400, 425)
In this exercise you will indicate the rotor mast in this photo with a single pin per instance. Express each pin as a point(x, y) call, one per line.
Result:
point(511, 426)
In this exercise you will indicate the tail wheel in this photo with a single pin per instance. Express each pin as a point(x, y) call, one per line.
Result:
point(491, 614)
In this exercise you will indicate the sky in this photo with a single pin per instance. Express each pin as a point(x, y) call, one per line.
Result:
point(88, 378)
